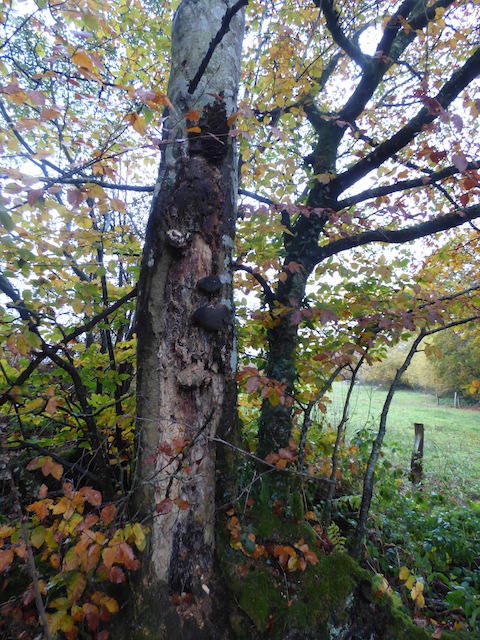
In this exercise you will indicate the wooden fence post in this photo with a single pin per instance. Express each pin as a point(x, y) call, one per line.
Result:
point(416, 464)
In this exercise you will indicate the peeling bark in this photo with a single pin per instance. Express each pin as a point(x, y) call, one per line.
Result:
point(186, 353)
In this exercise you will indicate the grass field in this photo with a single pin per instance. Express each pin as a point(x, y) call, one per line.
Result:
point(452, 435)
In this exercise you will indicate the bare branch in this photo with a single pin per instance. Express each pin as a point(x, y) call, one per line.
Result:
point(399, 236)
point(78, 182)
point(404, 185)
point(267, 291)
point(333, 25)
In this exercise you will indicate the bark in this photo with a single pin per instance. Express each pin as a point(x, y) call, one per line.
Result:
point(301, 248)
point(186, 353)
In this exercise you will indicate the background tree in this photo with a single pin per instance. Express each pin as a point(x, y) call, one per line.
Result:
point(456, 362)
point(357, 130)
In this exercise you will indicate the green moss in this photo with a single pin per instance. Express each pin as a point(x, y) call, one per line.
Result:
point(301, 600)
point(259, 595)
point(267, 524)
point(333, 599)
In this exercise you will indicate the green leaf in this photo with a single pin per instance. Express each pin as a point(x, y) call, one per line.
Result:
point(6, 220)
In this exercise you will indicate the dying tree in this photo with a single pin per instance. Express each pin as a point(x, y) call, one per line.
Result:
point(356, 130)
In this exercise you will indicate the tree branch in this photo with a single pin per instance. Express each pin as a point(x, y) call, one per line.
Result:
point(26, 373)
point(459, 80)
point(428, 180)
point(224, 27)
point(331, 17)
point(267, 291)
point(398, 236)
point(78, 182)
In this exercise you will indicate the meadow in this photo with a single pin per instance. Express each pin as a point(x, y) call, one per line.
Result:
point(452, 435)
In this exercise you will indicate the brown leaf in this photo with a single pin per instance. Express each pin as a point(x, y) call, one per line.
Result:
point(34, 195)
point(165, 506)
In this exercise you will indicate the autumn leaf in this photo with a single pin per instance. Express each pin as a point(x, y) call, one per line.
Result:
point(139, 537)
point(76, 586)
point(137, 122)
point(49, 467)
point(417, 594)
point(51, 113)
point(460, 162)
point(91, 495)
point(118, 205)
point(107, 514)
point(52, 405)
point(82, 59)
point(75, 197)
point(60, 621)
point(6, 559)
point(40, 508)
point(183, 505)
point(164, 507)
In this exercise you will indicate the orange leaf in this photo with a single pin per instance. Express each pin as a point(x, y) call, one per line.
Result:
point(52, 405)
point(193, 115)
point(49, 467)
point(92, 496)
point(232, 118)
point(183, 505)
point(108, 512)
point(6, 559)
point(82, 59)
point(40, 508)
point(109, 555)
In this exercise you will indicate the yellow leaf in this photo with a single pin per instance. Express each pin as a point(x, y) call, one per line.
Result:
point(139, 536)
point(137, 122)
point(404, 573)
point(33, 405)
point(118, 205)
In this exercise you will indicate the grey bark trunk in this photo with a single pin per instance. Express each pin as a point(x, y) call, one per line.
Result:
point(186, 353)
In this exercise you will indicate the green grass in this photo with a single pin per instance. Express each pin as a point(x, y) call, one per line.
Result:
point(452, 435)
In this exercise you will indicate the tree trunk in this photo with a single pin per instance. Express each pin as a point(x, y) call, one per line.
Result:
point(186, 352)
point(301, 244)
